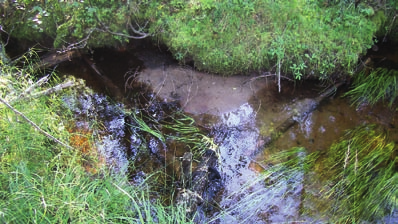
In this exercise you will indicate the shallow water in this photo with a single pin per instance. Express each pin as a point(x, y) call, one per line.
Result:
point(238, 110)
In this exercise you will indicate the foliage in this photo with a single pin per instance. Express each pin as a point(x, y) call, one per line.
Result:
point(379, 84)
point(308, 38)
point(363, 175)
point(69, 22)
point(386, 18)
point(303, 38)
point(42, 182)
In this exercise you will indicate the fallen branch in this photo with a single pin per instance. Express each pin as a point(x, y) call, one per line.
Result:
point(34, 85)
point(34, 125)
point(56, 88)
point(55, 58)
point(113, 88)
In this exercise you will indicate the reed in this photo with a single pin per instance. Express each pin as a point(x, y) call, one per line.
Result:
point(378, 85)
point(363, 176)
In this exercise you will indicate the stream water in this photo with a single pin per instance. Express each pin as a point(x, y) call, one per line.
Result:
point(238, 110)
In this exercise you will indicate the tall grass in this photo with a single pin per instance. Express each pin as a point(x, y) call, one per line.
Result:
point(44, 182)
point(363, 176)
point(378, 85)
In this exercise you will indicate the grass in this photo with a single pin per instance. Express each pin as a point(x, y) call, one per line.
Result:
point(176, 127)
point(182, 129)
point(363, 175)
point(43, 182)
point(377, 85)
point(353, 182)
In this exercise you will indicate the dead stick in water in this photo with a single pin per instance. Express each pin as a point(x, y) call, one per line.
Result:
point(310, 105)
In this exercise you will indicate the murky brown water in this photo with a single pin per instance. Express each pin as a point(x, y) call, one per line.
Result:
point(239, 109)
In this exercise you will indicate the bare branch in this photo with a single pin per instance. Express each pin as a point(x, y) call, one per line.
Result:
point(36, 84)
point(34, 125)
point(140, 35)
point(267, 74)
point(78, 45)
point(56, 88)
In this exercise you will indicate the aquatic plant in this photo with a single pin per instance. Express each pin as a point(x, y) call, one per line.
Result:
point(355, 179)
point(177, 127)
point(379, 84)
point(363, 172)
point(184, 130)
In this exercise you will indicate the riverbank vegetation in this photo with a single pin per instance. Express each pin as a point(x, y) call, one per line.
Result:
point(301, 39)
point(355, 179)
point(377, 85)
point(47, 173)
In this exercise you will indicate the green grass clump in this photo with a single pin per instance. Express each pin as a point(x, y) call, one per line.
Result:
point(375, 86)
point(363, 175)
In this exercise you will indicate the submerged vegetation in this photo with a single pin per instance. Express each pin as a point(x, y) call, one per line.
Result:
point(363, 170)
point(359, 176)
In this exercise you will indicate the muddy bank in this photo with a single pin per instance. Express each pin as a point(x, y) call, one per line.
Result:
point(197, 92)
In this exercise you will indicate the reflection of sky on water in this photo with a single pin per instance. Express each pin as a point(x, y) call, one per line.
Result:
point(244, 186)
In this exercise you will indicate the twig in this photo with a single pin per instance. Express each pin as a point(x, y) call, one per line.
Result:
point(38, 83)
point(279, 75)
point(78, 45)
point(141, 35)
point(265, 76)
point(56, 88)
point(34, 125)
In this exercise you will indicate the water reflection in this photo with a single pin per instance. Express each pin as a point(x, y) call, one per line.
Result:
point(247, 197)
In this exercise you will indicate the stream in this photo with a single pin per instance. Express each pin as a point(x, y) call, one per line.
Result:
point(237, 110)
